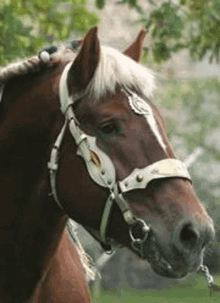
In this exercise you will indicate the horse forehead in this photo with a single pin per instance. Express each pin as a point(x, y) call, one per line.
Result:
point(117, 106)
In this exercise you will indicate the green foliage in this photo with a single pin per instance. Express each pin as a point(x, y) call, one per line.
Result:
point(165, 24)
point(27, 25)
point(100, 4)
point(132, 4)
point(189, 24)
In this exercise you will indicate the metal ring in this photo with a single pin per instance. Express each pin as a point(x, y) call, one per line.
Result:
point(145, 229)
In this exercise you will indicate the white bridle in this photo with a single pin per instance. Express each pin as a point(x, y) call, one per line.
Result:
point(101, 169)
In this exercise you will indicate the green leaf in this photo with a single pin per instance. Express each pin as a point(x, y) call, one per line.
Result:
point(100, 4)
point(132, 3)
point(161, 52)
point(83, 19)
point(43, 5)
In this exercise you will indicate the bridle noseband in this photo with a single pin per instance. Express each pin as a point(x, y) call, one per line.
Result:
point(101, 169)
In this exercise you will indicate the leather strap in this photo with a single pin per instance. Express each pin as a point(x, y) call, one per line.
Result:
point(53, 163)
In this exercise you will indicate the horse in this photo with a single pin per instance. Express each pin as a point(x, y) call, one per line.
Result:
point(81, 138)
point(63, 279)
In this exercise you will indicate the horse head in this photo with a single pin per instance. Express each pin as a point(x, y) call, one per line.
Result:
point(124, 157)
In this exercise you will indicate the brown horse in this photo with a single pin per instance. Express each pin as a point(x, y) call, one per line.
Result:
point(111, 167)
point(63, 278)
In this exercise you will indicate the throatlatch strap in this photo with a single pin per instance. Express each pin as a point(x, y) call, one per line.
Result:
point(1, 91)
point(106, 217)
point(53, 164)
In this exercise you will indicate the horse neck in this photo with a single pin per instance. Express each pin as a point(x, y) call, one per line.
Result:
point(26, 134)
point(29, 217)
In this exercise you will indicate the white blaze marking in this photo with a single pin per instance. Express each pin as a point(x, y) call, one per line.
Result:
point(139, 106)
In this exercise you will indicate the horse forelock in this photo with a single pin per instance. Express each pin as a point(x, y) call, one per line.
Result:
point(35, 64)
point(118, 70)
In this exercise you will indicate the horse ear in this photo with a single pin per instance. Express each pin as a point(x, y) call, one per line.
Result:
point(134, 51)
point(86, 62)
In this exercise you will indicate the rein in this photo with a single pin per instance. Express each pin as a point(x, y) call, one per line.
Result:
point(101, 169)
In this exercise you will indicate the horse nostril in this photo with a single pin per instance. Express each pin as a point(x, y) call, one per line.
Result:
point(189, 235)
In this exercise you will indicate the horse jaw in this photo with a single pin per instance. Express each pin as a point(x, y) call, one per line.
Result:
point(134, 51)
point(85, 64)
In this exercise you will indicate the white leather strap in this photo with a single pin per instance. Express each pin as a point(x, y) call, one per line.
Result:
point(166, 168)
point(53, 163)
point(65, 99)
point(1, 91)
point(124, 207)
point(106, 217)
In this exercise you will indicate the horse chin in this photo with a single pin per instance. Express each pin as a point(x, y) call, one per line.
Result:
point(166, 267)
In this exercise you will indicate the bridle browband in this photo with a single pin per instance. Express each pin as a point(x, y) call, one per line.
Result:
point(101, 169)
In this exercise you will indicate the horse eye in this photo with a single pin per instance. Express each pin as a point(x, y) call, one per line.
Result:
point(109, 129)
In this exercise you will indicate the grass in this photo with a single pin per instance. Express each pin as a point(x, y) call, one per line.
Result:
point(180, 293)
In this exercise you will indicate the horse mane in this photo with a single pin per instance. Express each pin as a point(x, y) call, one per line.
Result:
point(114, 69)
point(35, 64)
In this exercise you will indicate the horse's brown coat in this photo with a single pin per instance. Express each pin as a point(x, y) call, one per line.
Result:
point(60, 280)
point(38, 263)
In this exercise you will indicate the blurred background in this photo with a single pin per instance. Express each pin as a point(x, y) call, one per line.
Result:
point(182, 47)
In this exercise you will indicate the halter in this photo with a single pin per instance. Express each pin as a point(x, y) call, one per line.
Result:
point(101, 169)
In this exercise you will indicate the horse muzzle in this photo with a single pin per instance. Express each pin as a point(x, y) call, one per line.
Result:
point(179, 255)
